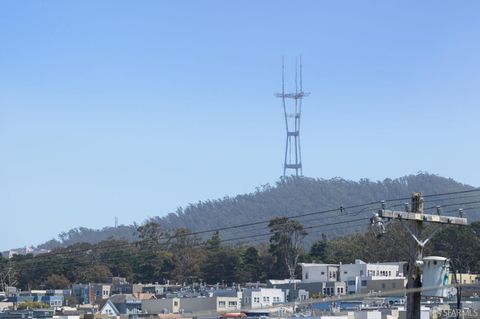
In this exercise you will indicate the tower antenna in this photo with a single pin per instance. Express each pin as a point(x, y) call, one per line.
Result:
point(292, 120)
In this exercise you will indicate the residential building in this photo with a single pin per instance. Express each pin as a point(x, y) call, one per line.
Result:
point(81, 292)
point(161, 306)
point(49, 298)
point(124, 304)
point(463, 278)
point(319, 272)
point(98, 292)
point(254, 298)
point(109, 309)
point(216, 304)
point(358, 277)
point(24, 251)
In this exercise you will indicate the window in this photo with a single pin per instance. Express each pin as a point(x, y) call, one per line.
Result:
point(221, 304)
point(268, 299)
point(306, 275)
point(232, 303)
point(393, 285)
point(175, 303)
point(323, 273)
point(364, 283)
point(383, 286)
point(361, 272)
point(351, 282)
point(324, 291)
point(256, 299)
point(345, 272)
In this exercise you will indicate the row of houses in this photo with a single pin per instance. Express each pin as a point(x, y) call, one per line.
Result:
point(118, 297)
point(221, 301)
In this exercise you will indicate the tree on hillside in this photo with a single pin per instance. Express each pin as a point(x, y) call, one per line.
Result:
point(319, 250)
point(57, 282)
point(286, 244)
point(154, 262)
point(188, 257)
point(250, 268)
point(93, 273)
point(222, 263)
point(151, 235)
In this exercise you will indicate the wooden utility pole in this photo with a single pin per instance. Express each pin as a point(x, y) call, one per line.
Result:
point(416, 219)
point(416, 253)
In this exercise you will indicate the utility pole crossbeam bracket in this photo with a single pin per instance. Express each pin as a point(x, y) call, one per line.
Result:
point(393, 214)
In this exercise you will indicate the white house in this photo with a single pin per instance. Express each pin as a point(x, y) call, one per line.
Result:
point(319, 272)
point(109, 309)
point(357, 277)
point(254, 298)
point(363, 269)
point(362, 276)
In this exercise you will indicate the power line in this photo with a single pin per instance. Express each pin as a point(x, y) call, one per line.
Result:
point(115, 245)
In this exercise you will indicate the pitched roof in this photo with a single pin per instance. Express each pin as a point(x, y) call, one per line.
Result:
point(110, 305)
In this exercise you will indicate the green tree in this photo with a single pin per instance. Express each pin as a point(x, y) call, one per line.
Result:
point(319, 250)
point(32, 305)
point(188, 257)
point(57, 282)
point(93, 273)
point(154, 261)
point(250, 268)
point(221, 263)
point(286, 244)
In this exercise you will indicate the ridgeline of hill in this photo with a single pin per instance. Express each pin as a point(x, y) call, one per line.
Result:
point(288, 197)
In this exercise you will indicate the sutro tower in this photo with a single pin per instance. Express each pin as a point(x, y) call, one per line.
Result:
point(292, 109)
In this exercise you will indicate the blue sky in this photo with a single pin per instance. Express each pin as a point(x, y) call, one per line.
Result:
point(134, 108)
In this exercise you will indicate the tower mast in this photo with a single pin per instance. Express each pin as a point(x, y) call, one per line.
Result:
point(292, 110)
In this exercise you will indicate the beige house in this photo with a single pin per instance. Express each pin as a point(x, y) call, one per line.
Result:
point(463, 278)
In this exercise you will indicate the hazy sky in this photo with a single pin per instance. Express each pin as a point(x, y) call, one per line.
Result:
point(134, 108)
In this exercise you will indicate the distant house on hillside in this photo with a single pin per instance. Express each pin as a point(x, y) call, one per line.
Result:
point(126, 304)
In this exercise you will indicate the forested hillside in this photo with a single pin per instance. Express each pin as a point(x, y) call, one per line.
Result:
point(290, 197)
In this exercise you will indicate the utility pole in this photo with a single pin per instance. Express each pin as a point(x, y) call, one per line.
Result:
point(414, 223)
point(416, 253)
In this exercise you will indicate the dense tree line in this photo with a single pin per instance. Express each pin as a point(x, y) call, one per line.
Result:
point(182, 257)
point(289, 196)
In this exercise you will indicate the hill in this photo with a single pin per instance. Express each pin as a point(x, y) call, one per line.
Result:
point(288, 197)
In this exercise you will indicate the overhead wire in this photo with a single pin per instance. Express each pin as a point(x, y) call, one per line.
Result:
point(63, 252)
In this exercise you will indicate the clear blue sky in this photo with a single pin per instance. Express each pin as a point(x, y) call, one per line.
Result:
point(133, 108)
